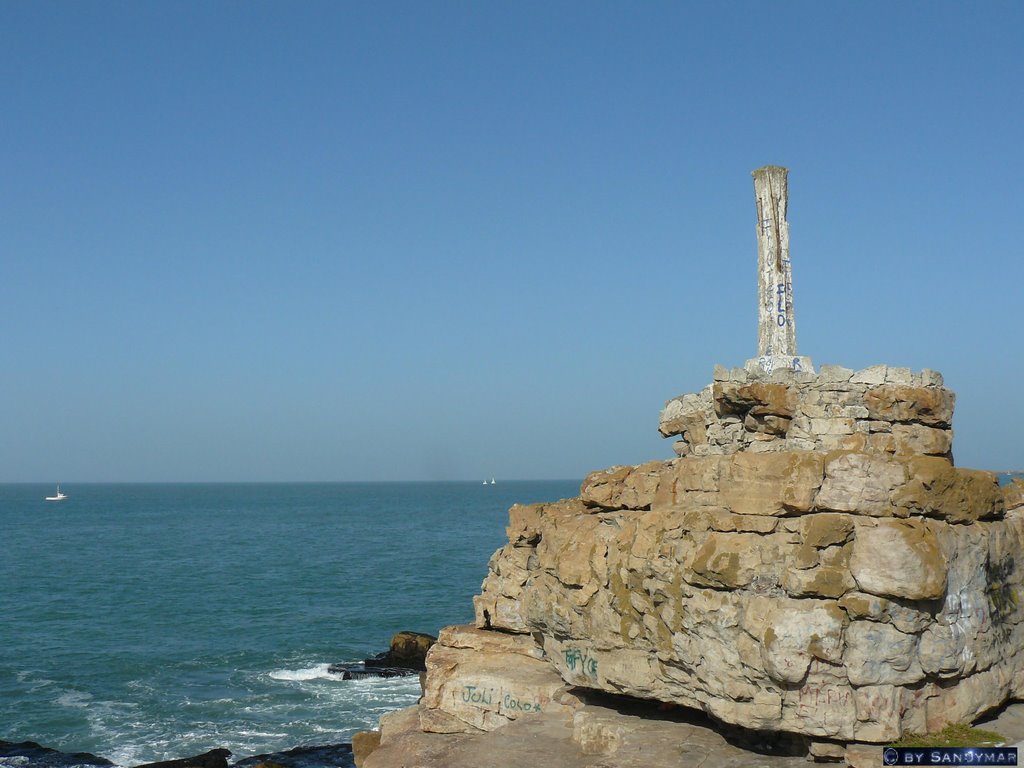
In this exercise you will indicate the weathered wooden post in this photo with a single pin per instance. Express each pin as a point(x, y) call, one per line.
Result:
point(776, 329)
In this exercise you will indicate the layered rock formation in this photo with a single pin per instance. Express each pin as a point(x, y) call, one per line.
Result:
point(877, 410)
point(813, 564)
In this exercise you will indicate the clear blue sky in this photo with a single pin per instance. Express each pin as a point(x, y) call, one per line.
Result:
point(451, 240)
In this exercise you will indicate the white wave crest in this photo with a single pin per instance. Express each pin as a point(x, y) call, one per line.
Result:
point(315, 672)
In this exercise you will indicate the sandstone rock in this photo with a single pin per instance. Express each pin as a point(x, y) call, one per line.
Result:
point(408, 650)
point(469, 637)
point(931, 406)
point(863, 756)
point(834, 373)
point(909, 439)
point(901, 376)
point(481, 683)
point(771, 483)
point(879, 654)
point(363, 745)
point(758, 398)
point(873, 375)
point(937, 489)
point(827, 529)
point(729, 560)
point(1013, 495)
point(898, 558)
point(845, 595)
point(793, 636)
point(860, 482)
point(624, 487)
point(622, 736)
point(682, 413)
point(826, 751)
point(828, 576)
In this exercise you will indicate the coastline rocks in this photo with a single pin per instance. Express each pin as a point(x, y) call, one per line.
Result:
point(215, 758)
point(812, 570)
point(33, 754)
point(406, 656)
point(301, 757)
point(479, 680)
point(28, 754)
point(360, 672)
point(408, 649)
point(599, 734)
point(847, 595)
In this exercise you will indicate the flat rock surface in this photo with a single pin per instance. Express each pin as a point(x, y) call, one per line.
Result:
point(596, 737)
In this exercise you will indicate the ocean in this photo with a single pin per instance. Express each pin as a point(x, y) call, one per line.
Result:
point(148, 622)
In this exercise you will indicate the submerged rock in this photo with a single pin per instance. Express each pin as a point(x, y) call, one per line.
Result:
point(360, 672)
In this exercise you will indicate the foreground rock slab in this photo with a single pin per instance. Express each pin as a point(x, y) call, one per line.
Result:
point(595, 736)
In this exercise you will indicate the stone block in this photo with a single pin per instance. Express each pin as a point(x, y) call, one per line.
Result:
point(363, 744)
point(938, 489)
point(873, 375)
point(830, 426)
point(901, 376)
point(1013, 495)
point(910, 439)
point(879, 654)
point(826, 529)
point(797, 632)
point(729, 560)
point(623, 487)
point(923, 405)
point(834, 373)
point(898, 558)
point(861, 483)
point(771, 483)
point(479, 689)
point(758, 397)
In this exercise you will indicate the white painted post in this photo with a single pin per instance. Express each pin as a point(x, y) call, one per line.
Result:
point(776, 327)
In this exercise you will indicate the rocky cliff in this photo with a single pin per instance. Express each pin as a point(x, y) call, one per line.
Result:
point(812, 564)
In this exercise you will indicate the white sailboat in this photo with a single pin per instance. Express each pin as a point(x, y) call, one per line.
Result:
point(492, 481)
point(58, 497)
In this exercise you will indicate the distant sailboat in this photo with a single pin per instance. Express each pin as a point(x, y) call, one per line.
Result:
point(58, 497)
point(492, 481)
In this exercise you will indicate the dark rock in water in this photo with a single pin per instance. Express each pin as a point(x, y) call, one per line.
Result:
point(408, 649)
point(215, 758)
point(328, 755)
point(44, 757)
point(359, 672)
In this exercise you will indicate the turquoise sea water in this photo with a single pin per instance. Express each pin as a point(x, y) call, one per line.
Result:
point(149, 622)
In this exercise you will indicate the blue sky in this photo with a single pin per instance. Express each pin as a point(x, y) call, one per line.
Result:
point(451, 240)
